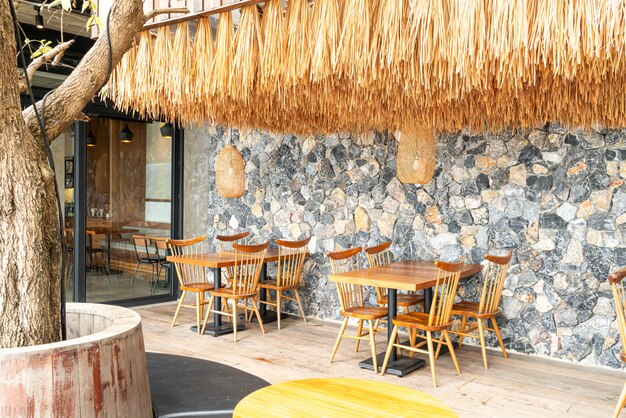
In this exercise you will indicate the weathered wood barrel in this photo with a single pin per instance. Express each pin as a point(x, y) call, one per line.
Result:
point(100, 370)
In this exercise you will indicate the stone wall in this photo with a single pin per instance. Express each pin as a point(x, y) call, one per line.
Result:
point(554, 196)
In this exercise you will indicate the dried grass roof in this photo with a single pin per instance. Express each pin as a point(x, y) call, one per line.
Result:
point(359, 65)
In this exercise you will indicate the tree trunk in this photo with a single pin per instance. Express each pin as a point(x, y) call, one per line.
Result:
point(30, 247)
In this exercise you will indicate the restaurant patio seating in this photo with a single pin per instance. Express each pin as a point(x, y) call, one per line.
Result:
point(192, 278)
point(617, 286)
point(487, 308)
point(249, 261)
point(291, 256)
point(379, 255)
point(438, 320)
point(352, 303)
point(160, 245)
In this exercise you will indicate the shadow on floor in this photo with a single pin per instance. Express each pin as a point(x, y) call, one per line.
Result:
point(189, 387)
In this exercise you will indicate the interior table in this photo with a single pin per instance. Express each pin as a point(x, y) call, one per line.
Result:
point(108, 232)
point(216, 262)
point(340, 398)
point(409, 275)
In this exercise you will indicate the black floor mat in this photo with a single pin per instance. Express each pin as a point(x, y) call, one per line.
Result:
point(189, 387)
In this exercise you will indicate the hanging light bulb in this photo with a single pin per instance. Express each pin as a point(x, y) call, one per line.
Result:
point(167, 130)
point(126, 135)
point(416, 164)
point(91, 140)
point(39, 18)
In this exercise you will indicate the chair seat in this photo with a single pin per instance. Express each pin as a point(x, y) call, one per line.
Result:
point(417, 320)
point(227, 292)
point(470, 309)
point(365, 312)
point(197, 287)
point(404, 299)
point(272, 284)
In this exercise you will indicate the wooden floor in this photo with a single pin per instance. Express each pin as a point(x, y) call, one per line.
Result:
point(520, 386)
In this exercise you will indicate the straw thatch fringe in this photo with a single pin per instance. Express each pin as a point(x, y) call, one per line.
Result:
point(361, 65)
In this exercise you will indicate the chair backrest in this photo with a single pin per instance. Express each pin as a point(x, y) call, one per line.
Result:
point(350, 295)
point(291, 256)
point(379, 255)
point(143, 244)
point(225, 242)
point(445, 291)
point(493, 285)
point(187, 273)
point(161, 248)
point(617, 285)
point(249, 261)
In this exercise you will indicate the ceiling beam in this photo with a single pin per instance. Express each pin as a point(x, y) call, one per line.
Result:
point(208, 12)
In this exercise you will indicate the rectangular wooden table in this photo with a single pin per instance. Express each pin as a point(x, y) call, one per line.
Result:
point(401, 275)
point(217, 261)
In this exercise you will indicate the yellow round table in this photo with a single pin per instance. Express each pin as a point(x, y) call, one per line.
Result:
point(340, 398)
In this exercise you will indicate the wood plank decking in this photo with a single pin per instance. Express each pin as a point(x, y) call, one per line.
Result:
point(520, 386)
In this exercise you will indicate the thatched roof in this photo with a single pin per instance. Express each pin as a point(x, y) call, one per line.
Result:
point(358, 65)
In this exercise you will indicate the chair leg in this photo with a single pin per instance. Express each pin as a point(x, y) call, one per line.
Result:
point(392, 340)
point(439, 344)
point(451, 349)
point(373, 346)
point(339, 337)
point(278, 292)
point(258, 315)
point(132, 281)
point(431, 356)
point(206, 316)
point(463, 321)
point(359, 331)
point(412, 338)
point(300, 304)
point(180, 304)
point(497, 331)
point(620, 403)
point(198, 313)
point(481, 334)
point(235, 320)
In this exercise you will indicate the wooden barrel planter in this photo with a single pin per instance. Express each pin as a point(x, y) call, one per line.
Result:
point(99, 371)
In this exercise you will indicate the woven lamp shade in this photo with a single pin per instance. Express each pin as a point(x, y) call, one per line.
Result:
point(230, 178)
point(416, 155)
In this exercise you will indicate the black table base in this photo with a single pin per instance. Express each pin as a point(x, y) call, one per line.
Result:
point(400, 367)
point(216, 331)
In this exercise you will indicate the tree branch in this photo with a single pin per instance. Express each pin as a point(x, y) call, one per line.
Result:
point(66, 103)
point(54, 55)
point(156, 12)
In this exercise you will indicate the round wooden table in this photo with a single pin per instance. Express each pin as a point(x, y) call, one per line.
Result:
point(340, 398)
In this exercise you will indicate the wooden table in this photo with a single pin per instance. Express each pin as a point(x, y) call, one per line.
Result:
point(338, 398)
point(107, 232)
point(401, 275)
point(217, 261)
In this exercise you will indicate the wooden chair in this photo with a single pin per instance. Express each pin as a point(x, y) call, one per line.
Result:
point(192, 278)
point(487, 308)
point(617, 285)
point(438, 320)
point(249, 261)
point(143, 245)
point(291, 256)
point(160, 245)
point(225, 244)
point(379, 255)
point(352, 306)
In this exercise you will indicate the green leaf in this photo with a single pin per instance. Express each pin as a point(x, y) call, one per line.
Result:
point(85, 6)
point(99, 22)
point(67, 5)
point(53, 4)
point(90, 21)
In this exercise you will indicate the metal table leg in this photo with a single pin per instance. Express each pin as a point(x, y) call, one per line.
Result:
point(218, 328)
point(266, 315)
point(398, 365)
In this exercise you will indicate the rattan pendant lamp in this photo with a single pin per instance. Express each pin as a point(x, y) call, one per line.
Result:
point(416, 155)
point(230, 179)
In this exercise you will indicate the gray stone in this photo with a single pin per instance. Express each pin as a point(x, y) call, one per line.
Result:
point(567, 211)
point(443, 240)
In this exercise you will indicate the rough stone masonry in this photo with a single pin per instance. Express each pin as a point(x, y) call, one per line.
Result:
point(555, 196)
